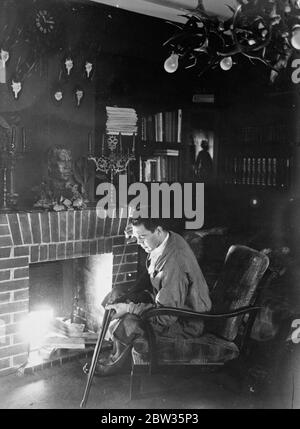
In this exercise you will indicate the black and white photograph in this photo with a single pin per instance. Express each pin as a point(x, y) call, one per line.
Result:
point(149, 207)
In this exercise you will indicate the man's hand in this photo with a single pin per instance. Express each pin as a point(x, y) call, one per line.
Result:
point(128, 234)
point(128, 231)
point(120, 309)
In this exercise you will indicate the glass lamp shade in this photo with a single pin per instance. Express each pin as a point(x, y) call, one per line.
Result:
point(226, 63)
point(171, 63)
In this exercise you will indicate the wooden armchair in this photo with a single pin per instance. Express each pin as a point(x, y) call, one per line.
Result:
point(226, 326)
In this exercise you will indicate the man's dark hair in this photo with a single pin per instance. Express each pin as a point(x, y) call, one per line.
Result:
point(150, 224)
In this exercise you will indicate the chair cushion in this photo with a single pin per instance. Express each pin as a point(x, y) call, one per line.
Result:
point(203, 350)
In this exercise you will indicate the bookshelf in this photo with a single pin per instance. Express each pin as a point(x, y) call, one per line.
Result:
point(162, 127)
point(257, 143)
point(259, 171)
point(163, 166)
point(160, 146)
point(260, 158)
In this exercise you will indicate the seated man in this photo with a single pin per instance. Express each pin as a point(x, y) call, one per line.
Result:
point(177, 281)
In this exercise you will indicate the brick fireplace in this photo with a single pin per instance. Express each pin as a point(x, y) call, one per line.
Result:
point(34, 237)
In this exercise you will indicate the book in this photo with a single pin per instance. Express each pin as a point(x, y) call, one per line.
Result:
point(179, 125)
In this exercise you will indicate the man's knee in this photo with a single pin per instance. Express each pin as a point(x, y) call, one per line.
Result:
point(129, 328)
point(131, 322)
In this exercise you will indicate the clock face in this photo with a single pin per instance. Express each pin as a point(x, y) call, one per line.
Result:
point(44, 21)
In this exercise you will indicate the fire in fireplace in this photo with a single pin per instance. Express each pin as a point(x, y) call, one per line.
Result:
point(73, 288)
point(69, 290)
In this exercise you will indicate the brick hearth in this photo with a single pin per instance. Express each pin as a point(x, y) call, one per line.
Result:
point(31, 237)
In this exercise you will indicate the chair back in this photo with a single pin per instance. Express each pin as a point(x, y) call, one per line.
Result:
point(236, 286)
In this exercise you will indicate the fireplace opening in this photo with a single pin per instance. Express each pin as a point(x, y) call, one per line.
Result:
point(53, 284)
point(74, 285)
point(69, 292)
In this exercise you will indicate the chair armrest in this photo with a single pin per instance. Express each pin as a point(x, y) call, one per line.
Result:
point(180, 312)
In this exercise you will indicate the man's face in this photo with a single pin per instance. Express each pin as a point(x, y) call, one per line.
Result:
point(146, 239)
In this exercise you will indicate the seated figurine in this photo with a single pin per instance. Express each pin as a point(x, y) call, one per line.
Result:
point(60, 191)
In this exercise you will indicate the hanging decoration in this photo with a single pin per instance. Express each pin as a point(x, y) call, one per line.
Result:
point(88, 69)
point(69, 65)
point(16, 88)
point(4, 56)
point(57, 90)
point(266, 31)
point(112, 142)
point(116, 161)
point(58, 95)
point(79, 95)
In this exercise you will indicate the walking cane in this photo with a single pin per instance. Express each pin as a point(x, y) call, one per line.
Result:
point(108, 314)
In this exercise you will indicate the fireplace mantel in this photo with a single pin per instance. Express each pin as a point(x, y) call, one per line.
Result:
point(40, 236)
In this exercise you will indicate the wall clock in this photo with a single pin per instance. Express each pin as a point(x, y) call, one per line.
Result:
point(44, 21)
point(45, 28)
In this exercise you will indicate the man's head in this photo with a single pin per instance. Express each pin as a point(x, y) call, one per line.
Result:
point(205, 145)
point(150, 233)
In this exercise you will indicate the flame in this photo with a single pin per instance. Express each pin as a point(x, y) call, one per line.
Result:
point(35, 326)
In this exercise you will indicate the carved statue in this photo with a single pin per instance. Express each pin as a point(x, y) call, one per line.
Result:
point(60, 191)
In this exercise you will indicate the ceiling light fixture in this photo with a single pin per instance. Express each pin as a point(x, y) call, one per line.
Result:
point(261, 30)
point(171, 63)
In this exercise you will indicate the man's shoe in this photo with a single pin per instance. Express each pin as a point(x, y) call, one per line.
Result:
point(111, 365)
